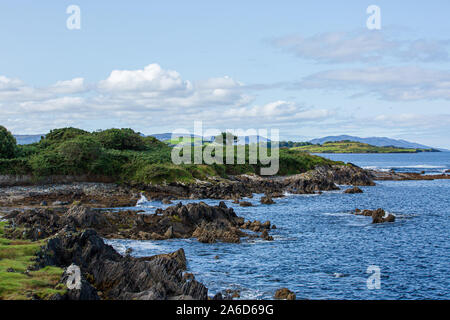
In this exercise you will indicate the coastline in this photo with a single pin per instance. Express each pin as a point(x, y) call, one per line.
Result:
point(62, 211)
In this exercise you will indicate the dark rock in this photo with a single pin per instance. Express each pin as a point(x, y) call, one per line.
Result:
point(265, 235)
point(353, 190)
point(245, 204)
point(218, 296)
point(118, 277)
point(285, 294)
point(267, 200)
point(378, 215)
point(82, 290)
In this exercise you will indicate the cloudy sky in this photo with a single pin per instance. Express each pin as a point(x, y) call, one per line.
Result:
point(307, 68)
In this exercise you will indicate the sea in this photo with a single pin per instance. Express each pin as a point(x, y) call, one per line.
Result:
point(321, 251)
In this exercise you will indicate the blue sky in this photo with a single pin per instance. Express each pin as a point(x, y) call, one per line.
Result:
point(308, 68)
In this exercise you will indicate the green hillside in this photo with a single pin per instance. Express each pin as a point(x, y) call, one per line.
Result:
point(123, 155)
point(354, 147)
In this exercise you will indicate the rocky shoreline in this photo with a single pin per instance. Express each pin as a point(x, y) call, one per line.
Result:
point(109, 195)
point(404, 176)
point(71, 218)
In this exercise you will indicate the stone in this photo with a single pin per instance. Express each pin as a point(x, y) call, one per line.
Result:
point(284, 294)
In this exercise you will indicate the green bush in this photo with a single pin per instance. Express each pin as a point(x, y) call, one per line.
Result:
point(121, 139)
point(63, 134)
point(15, 166)
point(80, 152)
point(8, 144)
point(158, 173)
point(48, 163)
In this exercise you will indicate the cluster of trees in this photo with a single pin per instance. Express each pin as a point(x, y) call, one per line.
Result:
point(72, 151)
point(124, 155)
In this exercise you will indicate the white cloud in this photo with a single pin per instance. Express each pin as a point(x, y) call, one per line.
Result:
point(151, 79)
point(389, 83)
point(143, 99)
point(362, 46)
point(75, 85)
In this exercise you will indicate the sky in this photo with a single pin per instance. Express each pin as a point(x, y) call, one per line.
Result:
point(307, 68)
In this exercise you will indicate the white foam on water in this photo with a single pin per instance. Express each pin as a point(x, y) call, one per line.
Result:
point(143, 202)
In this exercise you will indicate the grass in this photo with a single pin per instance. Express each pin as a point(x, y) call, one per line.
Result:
point(354, 147)
point(18, 255)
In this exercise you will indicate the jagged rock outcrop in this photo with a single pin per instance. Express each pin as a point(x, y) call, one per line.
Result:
point(199, 220)
point(119, 277)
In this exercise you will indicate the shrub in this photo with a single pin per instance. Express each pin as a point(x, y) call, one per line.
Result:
point(121, 139)
point(48, 163)
point(63, 134)
point(8, 144)
point(15, 166)
point(158, 173)
point(80, 152)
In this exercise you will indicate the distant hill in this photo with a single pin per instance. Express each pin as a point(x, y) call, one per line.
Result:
point(28, 139)
point(347, 146)
point(374, 141)
point(168, 136)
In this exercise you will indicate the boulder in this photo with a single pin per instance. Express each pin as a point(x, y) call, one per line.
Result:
point(353, 190)
point(285, 294)
point(267, 200)
point(245, 204)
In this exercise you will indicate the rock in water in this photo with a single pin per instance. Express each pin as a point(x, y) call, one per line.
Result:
point(353, 190)
point(267, 200)
point(245, 204)
point(285, 294)
point(378, 216)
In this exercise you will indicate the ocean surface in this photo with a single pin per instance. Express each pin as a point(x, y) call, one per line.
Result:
point(323, 252)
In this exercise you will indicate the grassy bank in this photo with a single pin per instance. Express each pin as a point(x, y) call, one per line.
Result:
point(126, 156)
point(355, 147)
point(16, 282)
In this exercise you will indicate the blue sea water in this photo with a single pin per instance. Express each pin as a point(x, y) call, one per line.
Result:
point(323, 252)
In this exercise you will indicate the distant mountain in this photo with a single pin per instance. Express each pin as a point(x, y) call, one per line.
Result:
point(168, 136)
point(28, 139)
point(374, 141)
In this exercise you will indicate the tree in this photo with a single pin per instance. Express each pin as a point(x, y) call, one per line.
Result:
point(8, 144)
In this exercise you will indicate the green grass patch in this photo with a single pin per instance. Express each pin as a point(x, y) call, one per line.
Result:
point(17, 256)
